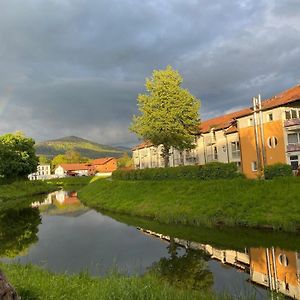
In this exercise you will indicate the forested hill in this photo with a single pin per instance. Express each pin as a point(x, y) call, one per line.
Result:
point(85, 147)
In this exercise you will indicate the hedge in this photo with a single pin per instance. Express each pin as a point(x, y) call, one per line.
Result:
point(278, 170)
point(213, 170)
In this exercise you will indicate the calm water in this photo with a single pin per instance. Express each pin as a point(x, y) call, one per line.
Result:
point(60, 234)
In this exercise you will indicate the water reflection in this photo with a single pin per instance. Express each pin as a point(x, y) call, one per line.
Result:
point(61, 203)
point(18, 230)
point(188, 271)
point(273, 268)
point(72, 238)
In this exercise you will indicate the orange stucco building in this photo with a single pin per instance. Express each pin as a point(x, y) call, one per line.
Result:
point(252, 138)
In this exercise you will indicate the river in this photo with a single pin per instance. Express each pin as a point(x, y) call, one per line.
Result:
point(60, 234)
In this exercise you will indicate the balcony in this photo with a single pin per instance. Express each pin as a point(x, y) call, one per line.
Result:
point(211, 157)
point(236, 154)
point(292, 122)
point(293, 147)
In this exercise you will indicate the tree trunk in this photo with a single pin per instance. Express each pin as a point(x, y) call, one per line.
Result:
point(166, 155)
point(7, 292)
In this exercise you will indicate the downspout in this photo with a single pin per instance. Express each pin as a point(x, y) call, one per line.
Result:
point(275, 270)
point(227, 146)
point(258, 151)
point(269, 269)
point(262, 133)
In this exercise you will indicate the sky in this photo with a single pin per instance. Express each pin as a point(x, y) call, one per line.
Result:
point(75, 67)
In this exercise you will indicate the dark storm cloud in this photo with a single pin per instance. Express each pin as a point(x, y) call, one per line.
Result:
point(76, 67)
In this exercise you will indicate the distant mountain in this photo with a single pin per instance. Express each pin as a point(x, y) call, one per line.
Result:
point(85, 147)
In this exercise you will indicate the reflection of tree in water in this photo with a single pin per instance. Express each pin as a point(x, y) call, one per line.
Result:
point(18, 230)
point(188, 271)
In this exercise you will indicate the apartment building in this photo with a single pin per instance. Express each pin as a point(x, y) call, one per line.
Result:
point(252, 138)
point(43, 172)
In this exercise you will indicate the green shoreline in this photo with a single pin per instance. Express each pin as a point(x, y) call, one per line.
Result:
point(269, 204)
point(32, 282)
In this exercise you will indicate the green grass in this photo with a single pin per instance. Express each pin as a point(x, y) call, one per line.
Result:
point(25, 188)
point(273, 204)
point(33, 283)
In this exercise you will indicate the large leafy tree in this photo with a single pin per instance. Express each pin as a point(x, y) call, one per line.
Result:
point(17, 155)
point(169, 113)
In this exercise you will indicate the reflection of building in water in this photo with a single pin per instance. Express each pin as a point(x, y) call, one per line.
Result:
point(67, 197)
point(62, 197)
point(274, 268)
point(277, 269)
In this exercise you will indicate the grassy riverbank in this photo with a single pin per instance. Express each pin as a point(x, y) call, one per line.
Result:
point(26, 188)
point(273, 204)
point(32, 282)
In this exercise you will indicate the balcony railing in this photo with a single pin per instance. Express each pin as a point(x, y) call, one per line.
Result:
point(291, 122)
point(236, 154)
point(211, 157)
point(293, 147)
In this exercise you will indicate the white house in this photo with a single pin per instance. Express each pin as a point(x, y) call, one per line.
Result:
point(43, 172)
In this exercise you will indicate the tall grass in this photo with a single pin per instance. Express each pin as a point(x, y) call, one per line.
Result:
point(33, 283)
point(273, 204)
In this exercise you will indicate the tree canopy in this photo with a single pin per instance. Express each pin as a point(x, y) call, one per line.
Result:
point(70, 156)
point(17, 155)
point(169, 113)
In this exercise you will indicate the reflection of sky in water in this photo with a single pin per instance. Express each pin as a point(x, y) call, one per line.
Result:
point(95, 242)
point(234, 281)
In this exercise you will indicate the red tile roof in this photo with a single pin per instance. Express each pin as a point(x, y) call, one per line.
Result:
point(225, 121)
point(102, 161)
point(222, 122)
point(75, 167)
point(142, 145)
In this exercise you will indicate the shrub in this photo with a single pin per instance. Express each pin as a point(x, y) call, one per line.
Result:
point(214, 170)
point(278, 170)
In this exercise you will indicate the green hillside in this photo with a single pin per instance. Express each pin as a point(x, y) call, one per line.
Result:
point(85, 147)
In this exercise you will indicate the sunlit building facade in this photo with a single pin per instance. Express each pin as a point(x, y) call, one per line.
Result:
point(252, 138)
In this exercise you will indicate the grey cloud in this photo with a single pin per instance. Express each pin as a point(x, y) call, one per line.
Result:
point(76, 67)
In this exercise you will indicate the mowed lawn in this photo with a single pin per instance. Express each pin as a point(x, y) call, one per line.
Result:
point(238, 202)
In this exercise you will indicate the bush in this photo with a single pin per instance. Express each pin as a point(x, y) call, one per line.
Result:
point(278, 170)
point(209, 171)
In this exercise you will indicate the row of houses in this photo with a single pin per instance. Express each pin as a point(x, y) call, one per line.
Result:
point(273, 268)
point(100, 166)
point(268, 132)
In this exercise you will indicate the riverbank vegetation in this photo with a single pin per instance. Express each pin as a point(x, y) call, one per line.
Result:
point(25, 188)
point(272, 204)
point(32, 282)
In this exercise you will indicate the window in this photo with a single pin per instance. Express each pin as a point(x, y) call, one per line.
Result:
point(294, 162)
point(235, 149)
point(270, 117)
point(283, 260)
point(254, 166)
point(250, 122)
point(272, 142)
point(292, 114)
point(293, 138)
